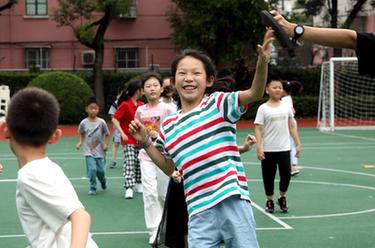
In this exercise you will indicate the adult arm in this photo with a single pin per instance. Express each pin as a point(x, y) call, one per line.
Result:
point(332, 37)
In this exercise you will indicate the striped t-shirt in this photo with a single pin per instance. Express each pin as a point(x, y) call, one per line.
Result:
point(202, 144)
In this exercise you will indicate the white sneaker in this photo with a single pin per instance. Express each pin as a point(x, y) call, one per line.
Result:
point(139, 188)
point(128, 194)
point(152, 238)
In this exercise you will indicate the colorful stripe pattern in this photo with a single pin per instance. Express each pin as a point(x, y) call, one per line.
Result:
point(202, 144)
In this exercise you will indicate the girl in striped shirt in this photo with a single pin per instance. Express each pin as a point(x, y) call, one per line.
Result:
point(200, 142)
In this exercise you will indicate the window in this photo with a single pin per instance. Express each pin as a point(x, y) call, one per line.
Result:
point(36, 8)
point(127, 58)
point(36, 58)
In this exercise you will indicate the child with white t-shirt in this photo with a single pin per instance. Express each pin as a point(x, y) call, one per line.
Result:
point(154, 181)
point(48, 207)
point(273, 125)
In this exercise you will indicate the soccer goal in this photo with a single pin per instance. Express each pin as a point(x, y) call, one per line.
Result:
point(346, 99)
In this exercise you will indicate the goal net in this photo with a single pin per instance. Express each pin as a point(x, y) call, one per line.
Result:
point(346, 99)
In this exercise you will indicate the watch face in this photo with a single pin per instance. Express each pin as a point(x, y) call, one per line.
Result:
point(299, 30)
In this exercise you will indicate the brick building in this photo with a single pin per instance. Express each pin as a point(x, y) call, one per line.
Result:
point(29, 37)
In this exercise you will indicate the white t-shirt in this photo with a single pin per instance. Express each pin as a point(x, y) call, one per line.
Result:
point(45, 199)
point(275, 134)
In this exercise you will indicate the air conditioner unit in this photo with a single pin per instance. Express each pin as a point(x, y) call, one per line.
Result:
point(131, 14)
point(88, 57)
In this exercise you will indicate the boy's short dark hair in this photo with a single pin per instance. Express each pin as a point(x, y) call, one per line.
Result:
point(91, 99)
point(33, 116)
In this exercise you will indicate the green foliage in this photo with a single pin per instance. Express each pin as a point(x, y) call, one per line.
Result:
point(224, 29)
point(16, 80)
point(85, 33)
point(70, 90)
point(308, 77)
point(305, 106)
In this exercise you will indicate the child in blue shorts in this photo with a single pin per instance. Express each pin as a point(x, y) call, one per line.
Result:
point(200, 141)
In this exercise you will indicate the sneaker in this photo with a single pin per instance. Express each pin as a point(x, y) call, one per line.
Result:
point(92, 192)
point(113, 165)
point(151, 240)
point(139, 187)
point(104, 186)
point(282, 203)
point(270, 207)
point(128, 193)
point(294, 172)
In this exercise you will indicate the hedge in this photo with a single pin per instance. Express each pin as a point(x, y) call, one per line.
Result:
point(306, 103)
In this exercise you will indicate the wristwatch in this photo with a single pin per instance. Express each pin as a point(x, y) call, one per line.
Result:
point(298, 32)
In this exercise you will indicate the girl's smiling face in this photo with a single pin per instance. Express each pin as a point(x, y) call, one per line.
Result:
point(191, 81)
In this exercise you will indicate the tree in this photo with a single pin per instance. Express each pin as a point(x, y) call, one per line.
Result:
point(7, 5)
point(313, 7)
point(78, 14)
point(224, 29)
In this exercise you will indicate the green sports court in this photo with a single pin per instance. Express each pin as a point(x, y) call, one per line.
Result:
point(331, 202)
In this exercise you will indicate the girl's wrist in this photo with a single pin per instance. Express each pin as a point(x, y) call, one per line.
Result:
point(145, 143)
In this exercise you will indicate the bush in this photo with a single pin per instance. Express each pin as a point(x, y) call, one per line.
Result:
point(71, 92)
point(305, 106)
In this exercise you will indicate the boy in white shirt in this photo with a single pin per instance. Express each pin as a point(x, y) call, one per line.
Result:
point(50, 212)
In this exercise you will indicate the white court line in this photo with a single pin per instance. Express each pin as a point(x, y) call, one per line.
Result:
point(328, 215)
point(340, 171)
point(273, 217)
point(351, 136)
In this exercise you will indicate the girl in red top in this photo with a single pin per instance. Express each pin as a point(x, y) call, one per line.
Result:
point(121, 120)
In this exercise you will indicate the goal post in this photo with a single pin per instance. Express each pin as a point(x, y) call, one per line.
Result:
point(346, 99)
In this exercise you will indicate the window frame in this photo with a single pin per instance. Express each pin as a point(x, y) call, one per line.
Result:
point(42, 59)
point(127, 61)
point(35, 5)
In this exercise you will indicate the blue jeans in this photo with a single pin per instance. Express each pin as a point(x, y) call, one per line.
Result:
point(95, 167)
point(231, 221)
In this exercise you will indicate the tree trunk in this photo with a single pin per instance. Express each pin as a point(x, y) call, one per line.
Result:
point(99, 51)
point(357, 7)
point(98, 77)
point(337, 52)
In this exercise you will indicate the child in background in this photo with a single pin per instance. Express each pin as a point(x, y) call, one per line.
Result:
point(168, 93)
point(116, 134)
point(200, 141)
point(50, 212)
point(92, 131)
point(121, 119)
point(289, 88)
point(273, 125)
point(154, 181)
